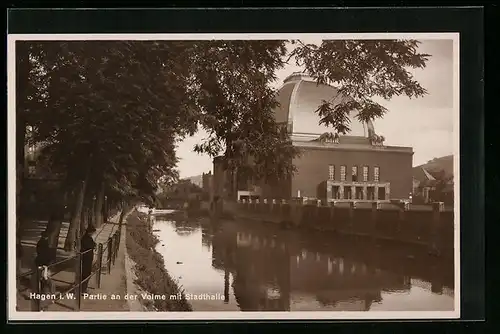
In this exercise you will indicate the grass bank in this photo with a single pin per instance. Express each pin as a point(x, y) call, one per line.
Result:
point(150, 267)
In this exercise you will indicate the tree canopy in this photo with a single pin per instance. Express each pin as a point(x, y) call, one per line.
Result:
point(109, 113)
point(361, 70)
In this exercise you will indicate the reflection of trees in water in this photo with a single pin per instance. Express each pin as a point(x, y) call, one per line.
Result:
point(247, 292)
point(185, 227)
point(258, 271)
point(363, 299)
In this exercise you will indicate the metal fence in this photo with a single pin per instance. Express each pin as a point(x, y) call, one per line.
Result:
point(111, 246)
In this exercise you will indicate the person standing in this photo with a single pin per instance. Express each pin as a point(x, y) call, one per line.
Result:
point(42, 261)
point(43, 256)
point(87, 248)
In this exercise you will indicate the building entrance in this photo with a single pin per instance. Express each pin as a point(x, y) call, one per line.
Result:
point(381, 194)
point(370, 193)
point(336, 192)
point(359, 193)
point(347, 192)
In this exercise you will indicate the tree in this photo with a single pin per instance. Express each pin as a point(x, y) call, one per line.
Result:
point(118, 107)
point(442, 181)
point(110, 112)
point(236, 104)
point(361, 70)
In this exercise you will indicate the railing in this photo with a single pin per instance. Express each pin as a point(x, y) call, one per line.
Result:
point(112, 247)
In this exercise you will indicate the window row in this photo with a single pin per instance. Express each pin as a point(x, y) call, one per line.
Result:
point(354, 173)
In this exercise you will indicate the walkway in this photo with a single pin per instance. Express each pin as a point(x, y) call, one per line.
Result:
point(65, 276)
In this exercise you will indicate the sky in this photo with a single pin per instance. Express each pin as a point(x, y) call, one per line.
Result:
point(426, 123)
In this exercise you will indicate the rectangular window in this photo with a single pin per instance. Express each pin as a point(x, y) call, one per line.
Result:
point(365, 173)
point(331, 172)
point(376, 174)
point(342, 173)
point(354, 174)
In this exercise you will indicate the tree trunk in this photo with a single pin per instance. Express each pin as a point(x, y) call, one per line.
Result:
point(98, 206)
point(84, 220)
point(71, 243)
point(56, 217)
point(105, 209)
point(122, 214)
point(54, 229)
point(234, 188)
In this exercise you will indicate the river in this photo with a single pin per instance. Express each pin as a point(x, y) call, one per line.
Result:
point(259, 267)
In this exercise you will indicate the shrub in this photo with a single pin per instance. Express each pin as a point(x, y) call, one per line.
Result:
point(150, 267)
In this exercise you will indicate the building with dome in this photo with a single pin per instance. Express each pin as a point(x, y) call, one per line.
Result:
point(356, 166)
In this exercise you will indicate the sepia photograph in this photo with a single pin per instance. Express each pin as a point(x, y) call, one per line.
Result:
point(234, 176)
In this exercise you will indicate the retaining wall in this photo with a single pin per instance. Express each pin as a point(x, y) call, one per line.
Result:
point(433, 228)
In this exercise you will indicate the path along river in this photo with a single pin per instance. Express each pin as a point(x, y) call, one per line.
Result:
point(260, 267)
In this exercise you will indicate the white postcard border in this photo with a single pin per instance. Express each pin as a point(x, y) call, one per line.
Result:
point(14, 315)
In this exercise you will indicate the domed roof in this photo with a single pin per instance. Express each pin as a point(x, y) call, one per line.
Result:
point(299, 98)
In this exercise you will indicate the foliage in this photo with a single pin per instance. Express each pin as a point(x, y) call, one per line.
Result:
point(122, 104)
point(236, 106)
point(109, 113)
point(117, 105)
point(361, 70)
point(442, 180)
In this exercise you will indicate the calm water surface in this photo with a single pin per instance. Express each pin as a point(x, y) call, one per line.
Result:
point(259, 267)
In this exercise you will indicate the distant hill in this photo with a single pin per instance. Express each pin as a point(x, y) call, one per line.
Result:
point(197, 180)
point(435, 165)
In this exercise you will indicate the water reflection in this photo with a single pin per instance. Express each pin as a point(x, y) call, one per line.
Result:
point(259, 267)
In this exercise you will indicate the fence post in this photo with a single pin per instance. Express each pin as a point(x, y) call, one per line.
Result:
point(99, 263)
point(110, 253)
point(37, 303)
point(118, 236)
point(115, 246)
point(78, 280)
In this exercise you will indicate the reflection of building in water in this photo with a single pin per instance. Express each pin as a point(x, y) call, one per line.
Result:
point(335, 280)
point(250, 240)
point(267, 276)
point(257, 284)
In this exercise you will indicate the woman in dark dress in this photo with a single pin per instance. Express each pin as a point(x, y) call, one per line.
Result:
point(42, 261)
point(87, 248)
point(43, 256)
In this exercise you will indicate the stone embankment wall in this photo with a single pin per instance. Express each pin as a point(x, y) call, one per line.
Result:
point(432, 227)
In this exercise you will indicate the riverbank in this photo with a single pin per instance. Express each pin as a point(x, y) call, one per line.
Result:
point(149, 269)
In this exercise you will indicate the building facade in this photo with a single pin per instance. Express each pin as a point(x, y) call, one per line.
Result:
point(356, 166)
